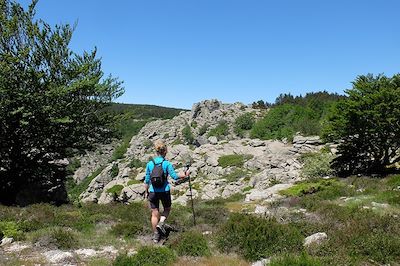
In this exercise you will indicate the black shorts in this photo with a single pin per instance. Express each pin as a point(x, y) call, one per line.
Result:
point(155, 197)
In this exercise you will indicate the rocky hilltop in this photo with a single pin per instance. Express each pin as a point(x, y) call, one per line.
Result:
point(221, 165)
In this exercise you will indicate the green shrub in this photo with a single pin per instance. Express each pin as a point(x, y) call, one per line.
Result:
point(255, 238)
point(220, 130)
point(193, 124)
point(244, 122)
point(316, 164)
point(11, 229)
point(56, 236)
point(187, 135)
point(127, 229)
point(115, 190)
point(136, 163)
point(114, 170)
point(233, 160)
point(73, 165)
point(133, 181)
point(75, 190)
point(191, 243)
point(235, 175)
point(147, 256)
point(203, 129)
point(308, 187)
point(147, 144)
point(295, 260)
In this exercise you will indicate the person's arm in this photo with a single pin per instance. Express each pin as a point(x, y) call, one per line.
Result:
point(174, 175)
point(147, 181)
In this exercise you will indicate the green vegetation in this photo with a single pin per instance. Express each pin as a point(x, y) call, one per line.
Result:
point(142, 111)
point(133, 181)
point(255, 238)
point(295, 114)
point(114, 170)
point(203, 129)
point(244, 122)
point(115, 190)
point(11, 229)
point(187, 135)
point(316, 164)
point(295, 260)
point(364, 121)
point(221, 130)
point(75, 190)
point(136, 163)
point(51, 102)
point(233, 160)
point(148, 256)
point(309, 187)
point(236, 175)
point(128, 229)
point(191, 243)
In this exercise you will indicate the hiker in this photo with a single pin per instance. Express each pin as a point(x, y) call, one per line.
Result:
point(158, 188)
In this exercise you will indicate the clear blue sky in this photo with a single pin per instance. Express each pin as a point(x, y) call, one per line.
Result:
point(177, 52)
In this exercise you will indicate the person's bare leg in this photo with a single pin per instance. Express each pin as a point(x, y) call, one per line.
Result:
point(165, 214)
point(155, 214)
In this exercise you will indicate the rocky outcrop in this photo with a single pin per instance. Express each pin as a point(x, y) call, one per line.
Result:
point(265, 163)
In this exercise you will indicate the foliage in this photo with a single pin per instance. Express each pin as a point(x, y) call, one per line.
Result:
point(142, 111)
point(75, 190)
point(187, 135)
point(136, 163)
point(255, 238)
point(203, 129)
point(147, 256)
point(51, 102)
point(125, 129)
point(260, 105)
point(11, 229)
point(114, 170)
point(233, 160)
point(367, 122)
point(61, 238)
point(222, 129)
point(191, 243)
point(235, 175)
point(115, 190)
point(316, 164)
point(295, 260)
point(133, 182)
point(292, 114)
point(244, 122)
point(308, 187)
point(127, 229)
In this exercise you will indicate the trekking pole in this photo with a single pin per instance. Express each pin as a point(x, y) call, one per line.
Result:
point(191, 195)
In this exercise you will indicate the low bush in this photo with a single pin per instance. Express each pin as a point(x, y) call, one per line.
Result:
point(316, 164)
point(255, 238)
point(187, 135)
point(190, 243)
point(235, 175)
point(115, 190)
point(203, 129)
point(222, 129)
point(11, 229)
point(127, 229)
point(114, 170)
point(55, 237)
point(136, 163)
point(147, 256)
point(233, 160)
point(244, 122)
point(295, 260)
point(308, 187)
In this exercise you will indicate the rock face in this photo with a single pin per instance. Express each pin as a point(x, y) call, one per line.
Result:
point(268, 166)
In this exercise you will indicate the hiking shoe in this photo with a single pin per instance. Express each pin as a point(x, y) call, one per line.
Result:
point(156, 237)
point(161, 229)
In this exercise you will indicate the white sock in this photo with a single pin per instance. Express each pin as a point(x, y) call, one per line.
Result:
point(162, 219)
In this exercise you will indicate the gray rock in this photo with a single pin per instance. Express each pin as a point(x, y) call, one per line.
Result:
point(269, 193)
point(86, 252)
point(141, 176)
point(315, 239)
point(132, 193)
point(257, 143)
point(6, 241)
point(262, 262)
point(213, 140)
point(59, 257)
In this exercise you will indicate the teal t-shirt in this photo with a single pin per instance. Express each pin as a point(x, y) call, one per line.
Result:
point(168, 169)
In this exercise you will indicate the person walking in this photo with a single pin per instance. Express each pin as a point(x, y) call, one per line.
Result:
point(158, 189)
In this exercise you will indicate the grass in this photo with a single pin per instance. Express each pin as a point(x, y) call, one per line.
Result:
point(222, 129)
point(190, 243)
point(115, 190)
point(235, 175)
point(233, 160)
point(151, 256)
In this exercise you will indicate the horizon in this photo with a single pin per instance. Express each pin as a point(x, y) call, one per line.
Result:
point(177, 53)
